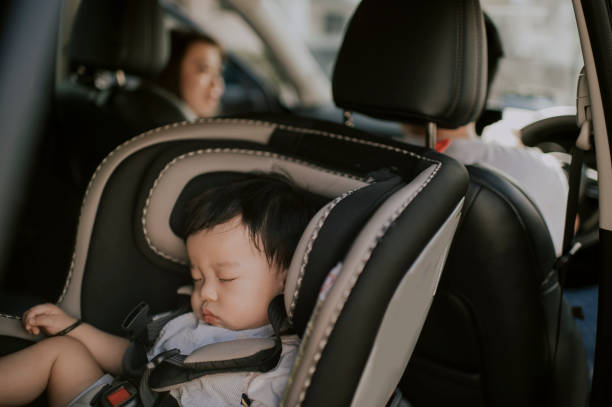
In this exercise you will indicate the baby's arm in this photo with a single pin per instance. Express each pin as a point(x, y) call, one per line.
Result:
point(107, 349)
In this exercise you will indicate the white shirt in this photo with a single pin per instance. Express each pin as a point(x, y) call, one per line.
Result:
point(187, 333)
point(539, 175)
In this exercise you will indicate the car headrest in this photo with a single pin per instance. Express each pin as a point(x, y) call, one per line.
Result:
point(414, 61)
point(117, 34)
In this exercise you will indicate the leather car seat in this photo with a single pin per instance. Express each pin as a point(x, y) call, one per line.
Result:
point(499, 332)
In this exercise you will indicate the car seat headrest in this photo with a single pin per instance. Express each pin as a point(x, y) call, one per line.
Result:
point(163, 214)
point(414, 61)
point(117, 34)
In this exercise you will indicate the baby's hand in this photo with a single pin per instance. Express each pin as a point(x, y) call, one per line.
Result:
point(48, 318)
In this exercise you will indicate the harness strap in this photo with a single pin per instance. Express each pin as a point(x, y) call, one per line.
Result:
point(171, 369)
point(144, 328)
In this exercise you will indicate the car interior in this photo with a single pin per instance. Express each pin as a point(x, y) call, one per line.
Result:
point(480, 336)
point(449, 291)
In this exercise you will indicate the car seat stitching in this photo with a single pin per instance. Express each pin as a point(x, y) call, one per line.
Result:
point(170, 164)
point(305, 257)
point(154, 131)
point(358, 141)
point(105, 160)
point(344, 297)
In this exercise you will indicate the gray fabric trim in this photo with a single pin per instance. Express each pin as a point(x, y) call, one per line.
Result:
point(84, 398)
point(177, 173)
point(249, 130)
point(237, 348)
point(326, 312)
point(404, 318)
point(10, 325)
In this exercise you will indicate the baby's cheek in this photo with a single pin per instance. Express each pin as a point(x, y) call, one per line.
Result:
point(195, 303)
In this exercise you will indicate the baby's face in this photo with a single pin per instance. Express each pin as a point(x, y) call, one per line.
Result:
point(233, 282)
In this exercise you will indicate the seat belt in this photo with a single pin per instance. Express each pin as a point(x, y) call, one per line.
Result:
point(583, 144)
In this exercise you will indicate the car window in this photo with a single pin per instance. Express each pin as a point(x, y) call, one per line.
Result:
point(542, 55)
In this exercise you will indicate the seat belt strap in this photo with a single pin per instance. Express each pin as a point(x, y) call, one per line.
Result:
point(583, 144)
point(575, 173)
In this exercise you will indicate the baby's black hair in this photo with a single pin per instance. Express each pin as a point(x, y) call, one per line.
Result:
point(274, 211)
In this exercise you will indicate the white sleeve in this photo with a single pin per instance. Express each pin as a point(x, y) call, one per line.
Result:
point(539, 175)
point(267, 389)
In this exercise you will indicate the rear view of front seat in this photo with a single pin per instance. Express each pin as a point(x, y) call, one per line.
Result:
point(498, 332)
point(113, 37)
point(115, 48)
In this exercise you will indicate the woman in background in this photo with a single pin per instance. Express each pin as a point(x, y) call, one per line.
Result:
point(194, 72)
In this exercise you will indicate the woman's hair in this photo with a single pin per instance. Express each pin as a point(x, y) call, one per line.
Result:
point(180, 40)
point(272, 209)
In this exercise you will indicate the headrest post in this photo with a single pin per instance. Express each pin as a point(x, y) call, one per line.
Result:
point(348, 119)
point(430, 132)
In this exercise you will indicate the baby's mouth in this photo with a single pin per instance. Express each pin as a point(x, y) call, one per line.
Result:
point(209, 317)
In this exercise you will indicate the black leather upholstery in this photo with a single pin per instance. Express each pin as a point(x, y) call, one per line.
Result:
point(120, 34)
point(498, 332)
point(386, 67)
point(490, 338)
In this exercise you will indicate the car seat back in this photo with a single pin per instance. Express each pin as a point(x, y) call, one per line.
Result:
point(111, 40)
point(499, 332)
point(115, 48)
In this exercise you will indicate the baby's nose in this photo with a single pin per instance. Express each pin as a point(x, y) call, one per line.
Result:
point(209, 292)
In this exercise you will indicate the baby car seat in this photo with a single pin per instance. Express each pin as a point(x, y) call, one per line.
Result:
point(390, 211)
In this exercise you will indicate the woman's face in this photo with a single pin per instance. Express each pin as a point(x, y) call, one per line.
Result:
point(201, 81)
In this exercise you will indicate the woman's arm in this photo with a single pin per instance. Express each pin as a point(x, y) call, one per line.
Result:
point(107, 349)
